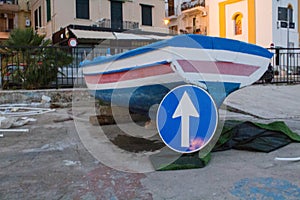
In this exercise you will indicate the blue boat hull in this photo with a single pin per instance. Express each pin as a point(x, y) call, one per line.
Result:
point(141, 99)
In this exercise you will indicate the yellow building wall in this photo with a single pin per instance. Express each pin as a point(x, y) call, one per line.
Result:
point(22, 17)
point(225, 12)
point(23, 14)
point(230, 11)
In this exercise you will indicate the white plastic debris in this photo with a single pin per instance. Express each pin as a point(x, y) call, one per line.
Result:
point(71, 163)
point(33, 104)
point(15, 130)
point(22, 121)
point(5, 122)
point(46, 99)
point(288, 159)
point(58, 146)
point(8, 122)
point(23, 111)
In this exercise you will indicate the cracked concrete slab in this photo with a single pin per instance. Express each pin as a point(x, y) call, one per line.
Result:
point(52, 162)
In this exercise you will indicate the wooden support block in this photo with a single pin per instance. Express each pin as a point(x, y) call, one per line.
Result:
point(105, 110)
point(101, 120)
point(108, 115)
point(109, 120)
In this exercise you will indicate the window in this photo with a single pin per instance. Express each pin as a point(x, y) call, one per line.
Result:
point(116, 10)
point(237, 18)
point(194, 25)
point(171, 8)
point(38, 18)
point(36, 22)
point(173, 29)
point(83, 9)
point(146, 15)
point(28, 5)
point(10, 24)
point(48, 4)
point(291, 15)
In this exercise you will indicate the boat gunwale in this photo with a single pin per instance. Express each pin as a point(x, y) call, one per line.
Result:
point(211, 44)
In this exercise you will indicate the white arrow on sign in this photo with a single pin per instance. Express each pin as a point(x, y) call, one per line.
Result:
point(185, 110)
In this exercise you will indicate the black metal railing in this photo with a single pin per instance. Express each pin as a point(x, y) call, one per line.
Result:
point(58, 67)
point(285, 65)
point(48, 67)
point(9, 1)
point(37, 67)
point(192, 4)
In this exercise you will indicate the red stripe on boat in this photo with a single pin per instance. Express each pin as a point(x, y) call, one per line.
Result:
point(129, 75)
point(224, 68)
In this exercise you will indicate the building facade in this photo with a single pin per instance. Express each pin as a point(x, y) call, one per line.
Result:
point(13, 14)
point(263, 22)
point(266, 23)
point(50, 16)
point(187, 16)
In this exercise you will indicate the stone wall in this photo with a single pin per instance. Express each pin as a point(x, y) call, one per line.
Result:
point(29, 96)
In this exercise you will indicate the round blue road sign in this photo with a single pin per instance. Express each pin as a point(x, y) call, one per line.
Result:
point(187, 119)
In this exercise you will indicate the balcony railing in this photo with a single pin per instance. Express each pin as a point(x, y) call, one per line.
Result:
point(130, 25)
point(6, 5)
point(9, 1)
point(123, 25)
point(192, 4)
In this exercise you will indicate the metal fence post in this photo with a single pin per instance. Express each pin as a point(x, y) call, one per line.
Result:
point(1, 75)
point(56, 85)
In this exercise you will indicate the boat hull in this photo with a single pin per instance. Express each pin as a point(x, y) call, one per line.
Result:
point(141, 99)
point(140, 78)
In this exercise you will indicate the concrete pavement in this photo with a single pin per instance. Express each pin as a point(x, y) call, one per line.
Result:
point(60, 160)
point(267, 101)
point(240, 174)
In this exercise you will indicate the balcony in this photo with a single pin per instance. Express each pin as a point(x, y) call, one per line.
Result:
point(9, 6)
point(189, 29)
point(130, 25)
point(192, 5)
point(118, 25)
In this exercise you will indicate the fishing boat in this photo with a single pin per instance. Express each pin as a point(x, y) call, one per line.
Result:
point(140, 78)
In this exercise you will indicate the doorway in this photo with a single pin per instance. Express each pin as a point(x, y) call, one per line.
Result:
point(116, 10)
